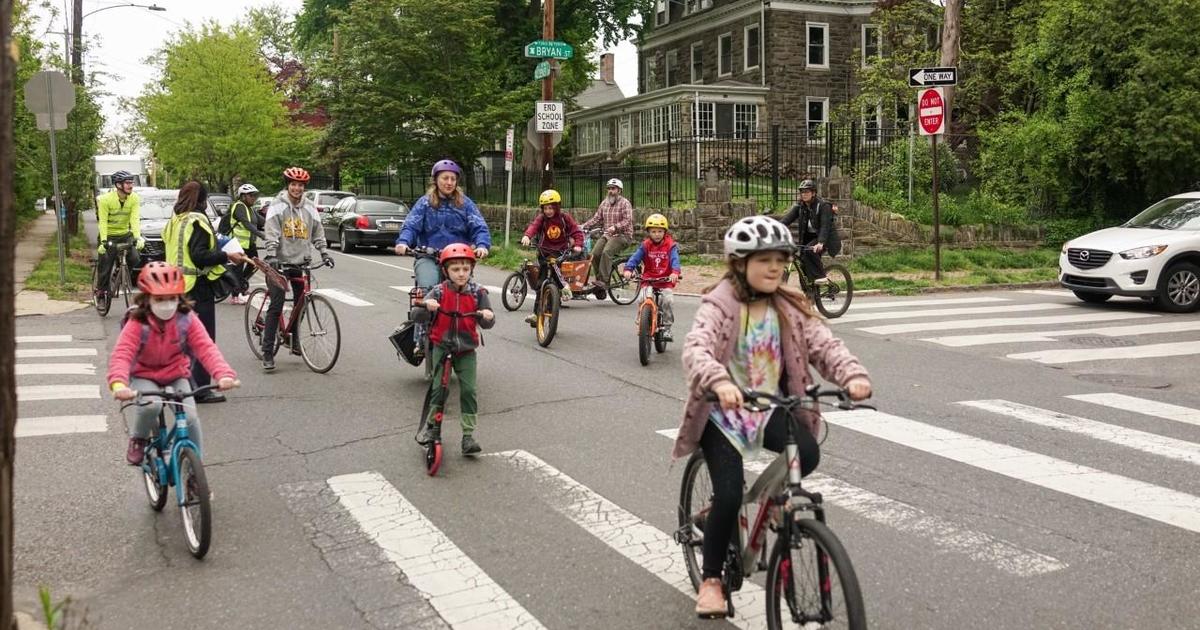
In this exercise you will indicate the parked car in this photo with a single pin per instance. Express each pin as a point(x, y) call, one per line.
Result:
point(364, 221)
point(326, 199)
point(1155, 256)
point(221, 202)
point(156, 207)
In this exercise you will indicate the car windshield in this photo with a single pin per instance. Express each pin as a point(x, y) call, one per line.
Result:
point(375, 206)
point(329, 199)
point(1169, 214)
point(157, 207)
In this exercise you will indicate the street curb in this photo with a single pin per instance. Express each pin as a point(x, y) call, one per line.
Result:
point(26, 621)
point(964, 288)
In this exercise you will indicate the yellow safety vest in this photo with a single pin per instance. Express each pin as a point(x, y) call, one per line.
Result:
point(241, 231)
point(119, 218)
point(176, 234)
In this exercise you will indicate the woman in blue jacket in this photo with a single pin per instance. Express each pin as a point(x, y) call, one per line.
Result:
point(443, 216)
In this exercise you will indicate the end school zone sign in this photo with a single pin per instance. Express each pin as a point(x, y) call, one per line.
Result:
point(550, 117)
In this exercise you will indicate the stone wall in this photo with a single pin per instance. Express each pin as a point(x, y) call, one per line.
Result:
point(868, 228)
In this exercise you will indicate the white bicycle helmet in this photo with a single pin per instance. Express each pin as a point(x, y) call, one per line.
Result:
point(615, 182)
point(247, 189)
point(757, 234)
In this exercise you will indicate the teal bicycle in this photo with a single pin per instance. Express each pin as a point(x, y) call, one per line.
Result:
point(173, 460)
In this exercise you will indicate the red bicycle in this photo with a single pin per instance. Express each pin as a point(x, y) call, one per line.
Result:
point(310, 329)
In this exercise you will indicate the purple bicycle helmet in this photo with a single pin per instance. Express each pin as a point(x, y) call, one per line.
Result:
point(445, 165)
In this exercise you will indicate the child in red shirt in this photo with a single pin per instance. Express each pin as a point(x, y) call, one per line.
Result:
point(659, 257)
point(557, 232)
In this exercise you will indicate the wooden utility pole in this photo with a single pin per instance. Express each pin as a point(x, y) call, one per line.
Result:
point(8, 329)
point(548, 95)
point(77, 42)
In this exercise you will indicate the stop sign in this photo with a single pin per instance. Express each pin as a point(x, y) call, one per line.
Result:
point(931, 111)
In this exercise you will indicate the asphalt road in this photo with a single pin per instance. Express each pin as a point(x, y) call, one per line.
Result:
point(1022, 508)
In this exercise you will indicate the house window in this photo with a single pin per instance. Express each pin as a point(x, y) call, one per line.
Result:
point(706, 120)
point(593, 137)
point(662, 12)
point(818, 44)
point(672, 63)
point(651, 74)
point(901, 114)
point(697, 63)
point(745, 119)
point(624, 131)
point(818, 114)
point(695, 6)
point(725, 55)
point(872, 124)
point(871, 45)
point(750, 48)
point(657, 121)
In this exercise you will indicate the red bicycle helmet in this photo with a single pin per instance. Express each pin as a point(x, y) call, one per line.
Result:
point(456, 250)
point(295, 174)
point(159, 278)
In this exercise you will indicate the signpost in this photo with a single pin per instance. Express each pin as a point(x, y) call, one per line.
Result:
point(931, 119)
point(548, 49)
point(508, 166)
point(927, 77)
point(50, 96)
point(550, 116)
point(541, 71)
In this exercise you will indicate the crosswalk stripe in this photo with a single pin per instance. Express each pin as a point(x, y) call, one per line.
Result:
point(1122, 493)
point(1157, 409)
point(57, 425)
point(79, 369)
point(491, 288)
point(632, 537)
point(998, 322)
point(1050, 292)
point(1075, 355)
point(948, 312)
point(909, 519)
point(41, 353)
point(959, 341)
point(1169, 447)
point(939, 302)
point(44, 339)
point(455, 586)
point(343, 297)
point(56, 392)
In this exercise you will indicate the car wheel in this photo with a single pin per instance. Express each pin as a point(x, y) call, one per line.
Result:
point(345, 242)
point(1093, 298)
point(1179, 288)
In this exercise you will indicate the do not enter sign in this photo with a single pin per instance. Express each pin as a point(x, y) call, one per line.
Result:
point(931, 111)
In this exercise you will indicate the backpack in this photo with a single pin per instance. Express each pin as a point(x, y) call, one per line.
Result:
point(225, 225)
point(181, 326)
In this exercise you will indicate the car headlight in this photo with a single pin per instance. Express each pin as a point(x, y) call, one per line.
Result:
point(1064, 248)
point(1143, 252)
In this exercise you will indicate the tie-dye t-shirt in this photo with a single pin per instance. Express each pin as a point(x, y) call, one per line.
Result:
point(757, 363)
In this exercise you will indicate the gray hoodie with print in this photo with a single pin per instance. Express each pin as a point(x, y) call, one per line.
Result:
point(292, 232)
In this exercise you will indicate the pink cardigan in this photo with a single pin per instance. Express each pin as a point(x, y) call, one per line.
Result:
point(710, 345)
point(162, 361)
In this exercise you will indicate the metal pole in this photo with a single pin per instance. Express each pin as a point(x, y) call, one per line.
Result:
point(508, 190)
point(912, 138)
point(937, 218)
point(746, 155)
point(775, 167)
point(60, 209)
point(668, 167)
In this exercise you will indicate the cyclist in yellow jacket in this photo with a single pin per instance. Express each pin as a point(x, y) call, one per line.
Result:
point(118, 215)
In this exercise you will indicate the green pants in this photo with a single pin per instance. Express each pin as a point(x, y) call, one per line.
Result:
point(464, 366)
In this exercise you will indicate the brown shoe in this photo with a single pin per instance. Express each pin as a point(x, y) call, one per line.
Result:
point(710, 602)
point(136, 451)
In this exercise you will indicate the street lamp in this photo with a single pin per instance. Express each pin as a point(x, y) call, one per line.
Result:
point(77, 43)
point(151, 7)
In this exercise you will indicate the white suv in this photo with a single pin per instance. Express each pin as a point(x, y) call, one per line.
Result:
point(1155, 256)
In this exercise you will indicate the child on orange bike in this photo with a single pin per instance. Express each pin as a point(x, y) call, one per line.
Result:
point(659, 255)
point(752, 332)
point(557, 231)
point(453, 331)
point(153, 351)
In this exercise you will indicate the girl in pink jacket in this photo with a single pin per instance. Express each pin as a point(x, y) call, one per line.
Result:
point(153, 351)
point(752, 332)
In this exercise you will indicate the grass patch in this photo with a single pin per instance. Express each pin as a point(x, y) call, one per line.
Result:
point(909, 285)
point(78, 267)
point(975, 259)
point(508, 258)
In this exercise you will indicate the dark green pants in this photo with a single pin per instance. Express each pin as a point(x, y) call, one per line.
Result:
point(464, 366)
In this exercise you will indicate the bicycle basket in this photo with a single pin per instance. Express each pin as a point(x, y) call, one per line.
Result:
point(404, 340)
point(576, 273)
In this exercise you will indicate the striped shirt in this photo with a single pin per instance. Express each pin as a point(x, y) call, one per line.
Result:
point(616, 214)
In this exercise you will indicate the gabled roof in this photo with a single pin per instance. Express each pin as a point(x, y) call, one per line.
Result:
point(599, 93)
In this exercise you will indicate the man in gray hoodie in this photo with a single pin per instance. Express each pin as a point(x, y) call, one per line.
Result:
point(292, 232)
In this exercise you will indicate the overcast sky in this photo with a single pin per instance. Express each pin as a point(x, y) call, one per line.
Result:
point(119, 39)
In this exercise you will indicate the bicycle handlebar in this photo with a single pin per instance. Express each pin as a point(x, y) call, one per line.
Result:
point(305, 266)
point(167, 396)
point(754, 400)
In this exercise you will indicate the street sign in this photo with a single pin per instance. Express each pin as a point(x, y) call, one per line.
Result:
point(541, 71)
point(508, 150)
point(50, 96)
point(925, 77)
point(931, 111)
point(550, 116)
point(545, 48)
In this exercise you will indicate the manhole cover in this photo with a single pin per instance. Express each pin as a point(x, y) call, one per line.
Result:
point(1096, 341)
point(1125, 380)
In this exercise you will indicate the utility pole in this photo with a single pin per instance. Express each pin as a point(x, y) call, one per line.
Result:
point(77, 42)
point(547, 95)
point(8, 330)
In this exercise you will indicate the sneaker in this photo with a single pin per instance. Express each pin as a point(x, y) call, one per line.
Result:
point(268, 363)
point(470, 446)
point(710, 602)
point(237, 299)
point(532, 321)
point(425, 436)
point(567, 294)
point(822, 280)
point(136, 451)
point(666, 335)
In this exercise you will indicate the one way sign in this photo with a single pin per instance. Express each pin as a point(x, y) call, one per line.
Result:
point(922, 77)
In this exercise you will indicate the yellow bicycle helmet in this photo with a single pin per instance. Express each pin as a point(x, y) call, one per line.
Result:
point(656, 220)
point(548, 197)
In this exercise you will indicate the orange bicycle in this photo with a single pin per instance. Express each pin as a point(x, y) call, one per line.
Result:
point(649, 325)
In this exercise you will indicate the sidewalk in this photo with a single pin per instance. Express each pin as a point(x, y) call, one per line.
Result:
point(30, 250)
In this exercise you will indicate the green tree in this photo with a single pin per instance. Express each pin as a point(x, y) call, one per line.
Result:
point(216, 113)
point(31, 172)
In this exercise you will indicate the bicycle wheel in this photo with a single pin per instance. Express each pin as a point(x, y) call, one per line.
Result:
point(126, 283)
point(620, 290)
point(320, 334)
point(834, 298)
point(101, 302)
point(254, 317)
point(195, 506)
point(695, 499)
point(810, 580)
point(645, 332)
point(156, 492)
point(547, 320)
point(513, 292)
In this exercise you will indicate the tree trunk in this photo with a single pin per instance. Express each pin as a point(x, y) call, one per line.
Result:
point(8, 381)
point(951, 34)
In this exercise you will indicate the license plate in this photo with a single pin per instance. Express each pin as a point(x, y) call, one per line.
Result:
point(388, 226)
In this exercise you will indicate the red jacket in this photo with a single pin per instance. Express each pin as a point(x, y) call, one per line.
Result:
point(658, 260)
point(450, 331)
point(162, 360)
point(558, 233)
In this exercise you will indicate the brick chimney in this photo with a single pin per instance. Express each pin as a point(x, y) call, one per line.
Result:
point(606, 69)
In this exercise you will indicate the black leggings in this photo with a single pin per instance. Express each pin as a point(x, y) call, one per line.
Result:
point(728, 479)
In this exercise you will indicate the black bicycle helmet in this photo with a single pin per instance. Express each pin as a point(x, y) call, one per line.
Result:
point(808, 184)
point(121, 177)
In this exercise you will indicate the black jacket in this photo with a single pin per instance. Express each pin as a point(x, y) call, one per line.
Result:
point(821, 212)
point(204, 256)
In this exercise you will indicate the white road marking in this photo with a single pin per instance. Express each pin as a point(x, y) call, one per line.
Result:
point(80, 369)
point(41, 353)
point(997, 322)
point(44, 339)
point(1122, 493)
point(1169, 447)
point(371, 260)
point(635, 539)
point(944, 534)
point(1157, 409)
point(1050, 292)
point(56, 392)
point(491, 288)
point(343, 297)
point(57, 425)
point(908, 303)
point(959, 341)
point(455, 586)
point(948, 312)
point(1054, 357)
